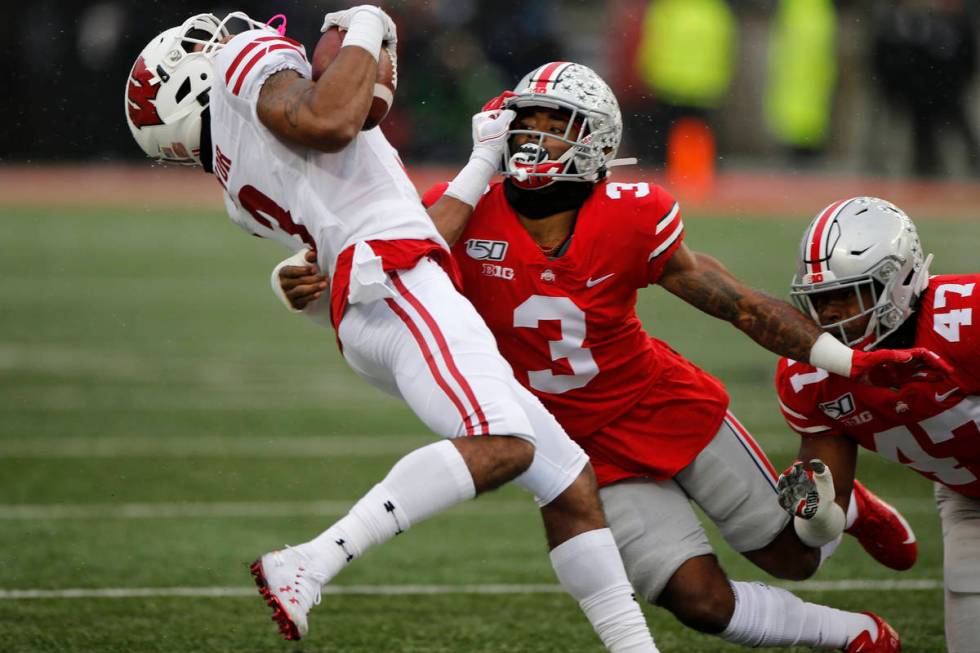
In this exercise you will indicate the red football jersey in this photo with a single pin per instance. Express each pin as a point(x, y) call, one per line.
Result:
point(934, 428)
point(568, 326)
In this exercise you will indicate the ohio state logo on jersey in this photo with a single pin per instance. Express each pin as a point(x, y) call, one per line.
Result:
point(141, 92)
point(839, 408)
point(486, 250)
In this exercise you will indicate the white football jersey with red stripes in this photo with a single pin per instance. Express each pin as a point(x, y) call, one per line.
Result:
point(934, 428)
point(299, 196)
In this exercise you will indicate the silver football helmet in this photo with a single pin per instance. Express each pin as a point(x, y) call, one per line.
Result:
point(595, 126)
point(870, 246)
point(169, 85)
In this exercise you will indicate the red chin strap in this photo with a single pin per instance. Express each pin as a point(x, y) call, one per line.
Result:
point(544, 169)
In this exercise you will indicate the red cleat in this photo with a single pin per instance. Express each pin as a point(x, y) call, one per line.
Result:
point(887, 640)
point(882, 531)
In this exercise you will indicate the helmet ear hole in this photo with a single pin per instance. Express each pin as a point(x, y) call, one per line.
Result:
point(184, 89)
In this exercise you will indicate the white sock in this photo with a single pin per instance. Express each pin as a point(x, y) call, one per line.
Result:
point(590, 569)
point(420, 485)
point(852, 512)
point(770, 616)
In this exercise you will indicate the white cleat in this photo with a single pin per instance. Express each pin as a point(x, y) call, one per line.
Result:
point(290, 587)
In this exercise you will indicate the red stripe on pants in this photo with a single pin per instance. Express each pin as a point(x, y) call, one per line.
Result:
point(430, 361)
point(444, 347)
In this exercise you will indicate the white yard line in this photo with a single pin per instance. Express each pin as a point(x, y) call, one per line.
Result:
point(211, 446)
point(398, 590)
point(170, 510)
point(242, 509)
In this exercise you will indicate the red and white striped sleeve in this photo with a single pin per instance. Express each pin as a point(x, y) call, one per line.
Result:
point(666, 232)
point(251, 57)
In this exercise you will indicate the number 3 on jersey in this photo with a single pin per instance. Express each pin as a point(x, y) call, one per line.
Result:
point(572, 320)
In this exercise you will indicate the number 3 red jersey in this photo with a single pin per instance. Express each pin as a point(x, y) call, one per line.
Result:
point(568, 325)
point(934, 428)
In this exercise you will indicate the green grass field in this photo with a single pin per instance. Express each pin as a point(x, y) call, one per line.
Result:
point(163, 421)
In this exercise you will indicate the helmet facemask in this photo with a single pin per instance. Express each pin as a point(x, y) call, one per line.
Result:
point(530, 166)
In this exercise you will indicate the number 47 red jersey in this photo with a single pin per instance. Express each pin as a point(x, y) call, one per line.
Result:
point(934, 428)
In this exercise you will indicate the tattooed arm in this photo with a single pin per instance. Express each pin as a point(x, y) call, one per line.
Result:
point(706, 284)
point(326, 114)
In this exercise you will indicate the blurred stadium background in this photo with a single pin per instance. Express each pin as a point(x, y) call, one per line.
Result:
point(163, 421)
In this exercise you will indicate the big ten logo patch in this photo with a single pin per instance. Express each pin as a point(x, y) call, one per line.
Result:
point(499, 271)
point(486, 250)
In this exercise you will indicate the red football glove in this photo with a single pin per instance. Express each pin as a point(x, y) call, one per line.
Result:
point(891, 368)
point(496, 103)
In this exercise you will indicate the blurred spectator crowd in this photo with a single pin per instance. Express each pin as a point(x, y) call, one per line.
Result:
point(880, 86)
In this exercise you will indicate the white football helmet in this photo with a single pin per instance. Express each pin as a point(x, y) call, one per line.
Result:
point(169, 85)
point(594, 130)
point(862, 243)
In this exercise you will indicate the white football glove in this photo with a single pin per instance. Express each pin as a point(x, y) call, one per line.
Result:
point(489, 138)
point(342, 19)
point(809, 497)
point(490, 135)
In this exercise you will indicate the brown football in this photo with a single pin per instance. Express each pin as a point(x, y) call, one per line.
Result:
point(327, 49)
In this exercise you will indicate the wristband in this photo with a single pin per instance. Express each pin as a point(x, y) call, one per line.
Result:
point(824, 527)
point(830, 354)
point(299, 258)
point(471, 182)
point(366, 31)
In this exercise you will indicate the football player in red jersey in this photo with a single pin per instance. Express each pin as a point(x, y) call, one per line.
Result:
point(552, 258)
point(862, 276)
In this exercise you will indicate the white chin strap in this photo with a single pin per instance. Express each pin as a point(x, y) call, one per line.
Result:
point(618, 163)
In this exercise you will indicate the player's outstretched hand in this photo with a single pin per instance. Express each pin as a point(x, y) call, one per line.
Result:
point(809, 496)
point(302, 284)
point(892, 368)
point(490, 135)
point(802, 491)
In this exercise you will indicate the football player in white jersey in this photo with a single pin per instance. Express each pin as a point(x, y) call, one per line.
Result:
point(296, 167)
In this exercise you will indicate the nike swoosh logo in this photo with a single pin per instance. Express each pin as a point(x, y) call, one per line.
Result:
point(945, 395)
point(595, 282)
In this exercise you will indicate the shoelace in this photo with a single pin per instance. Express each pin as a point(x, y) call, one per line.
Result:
point(308, 571)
